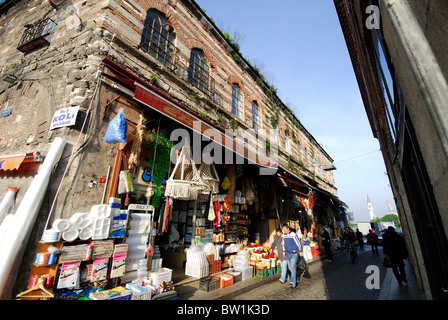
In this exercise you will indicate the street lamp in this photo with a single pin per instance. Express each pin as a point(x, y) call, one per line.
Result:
point(329, 167)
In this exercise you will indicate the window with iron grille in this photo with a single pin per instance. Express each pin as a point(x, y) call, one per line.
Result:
point(39, 33)
point(255, 116)
point(198, 71)
point(158, 38)
point(237, 101)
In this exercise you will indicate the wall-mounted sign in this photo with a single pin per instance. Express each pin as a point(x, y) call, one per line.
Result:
point(64, 118)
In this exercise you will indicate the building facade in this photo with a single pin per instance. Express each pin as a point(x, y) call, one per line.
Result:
point(167, 65)
point(399, 56)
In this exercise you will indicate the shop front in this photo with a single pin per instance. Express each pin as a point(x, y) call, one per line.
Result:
point(182, 200)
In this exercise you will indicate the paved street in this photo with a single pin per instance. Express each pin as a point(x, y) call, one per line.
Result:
point(327, 281)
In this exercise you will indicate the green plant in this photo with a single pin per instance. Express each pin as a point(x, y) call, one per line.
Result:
point(152, 78)
point(268, 146)
point(194, 96)
point(273, 121)
point(236, 58)
point(233, 124)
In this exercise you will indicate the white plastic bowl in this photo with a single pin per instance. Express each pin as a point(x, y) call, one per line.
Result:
point(70, 234)
point(61, 225)
point(85, 233)
point(100, 211)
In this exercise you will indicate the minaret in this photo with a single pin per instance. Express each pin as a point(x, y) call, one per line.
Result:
point(370, 208)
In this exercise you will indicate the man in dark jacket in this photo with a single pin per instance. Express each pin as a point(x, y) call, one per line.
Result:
point(326, 242)
point(395, 248)
point(372, 239)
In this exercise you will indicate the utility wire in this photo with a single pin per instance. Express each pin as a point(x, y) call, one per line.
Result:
point(355, 157)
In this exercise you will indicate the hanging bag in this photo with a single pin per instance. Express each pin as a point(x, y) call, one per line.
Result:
point(116, 131)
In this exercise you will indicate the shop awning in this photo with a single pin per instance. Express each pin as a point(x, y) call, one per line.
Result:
point(13, 162)
point(157, 100)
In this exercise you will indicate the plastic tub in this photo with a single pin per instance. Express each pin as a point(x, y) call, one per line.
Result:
point(70, 234)
point(101, 211)
point(85, 233)
point(51, 235)
point(61, 225)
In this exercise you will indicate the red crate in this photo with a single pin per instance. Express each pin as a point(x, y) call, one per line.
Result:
point(216, 266)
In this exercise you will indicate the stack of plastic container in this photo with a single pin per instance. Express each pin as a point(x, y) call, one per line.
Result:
point(142, 270)
point(208, 238)
point(241, 263)
point(156, 259)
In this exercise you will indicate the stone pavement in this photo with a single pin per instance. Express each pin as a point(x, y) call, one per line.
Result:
point(390, 289)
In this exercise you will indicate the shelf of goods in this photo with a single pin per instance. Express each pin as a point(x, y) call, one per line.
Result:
point(114, 252)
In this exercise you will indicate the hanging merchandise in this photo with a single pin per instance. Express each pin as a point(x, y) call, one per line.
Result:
point(134, 158)
point(160, 150)
point(232, 177)
point(184, 182)
point(225, 185)
point(209, 177)
point(116, 131)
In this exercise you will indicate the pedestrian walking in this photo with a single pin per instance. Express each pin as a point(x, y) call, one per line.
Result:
point(372, 239)
point(395, 249)
point(277, 244)
point(360, 239)
point(326, 242)
point(350, 240)
point(292, 248)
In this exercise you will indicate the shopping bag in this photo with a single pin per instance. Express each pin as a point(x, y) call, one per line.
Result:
point(387, 263)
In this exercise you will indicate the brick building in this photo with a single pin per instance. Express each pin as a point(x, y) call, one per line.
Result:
point(167, 65)
point(399, 55)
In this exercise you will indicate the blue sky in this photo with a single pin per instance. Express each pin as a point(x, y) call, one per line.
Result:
point(303, 53)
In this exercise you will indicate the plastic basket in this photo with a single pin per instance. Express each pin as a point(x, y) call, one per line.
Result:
point(209, 284)
point(216, 266)
point(196, 272)
point(261, 273)
point(247, 273)
point(237, 276)
point(226, 280)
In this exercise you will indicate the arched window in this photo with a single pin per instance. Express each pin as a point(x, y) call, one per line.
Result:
point(198, 71)
point(299, 151)
point(158, 37)
point(255, 116)
point(237, 101)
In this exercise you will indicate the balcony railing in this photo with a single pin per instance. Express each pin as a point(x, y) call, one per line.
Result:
point(37, 35)
point(158, 42)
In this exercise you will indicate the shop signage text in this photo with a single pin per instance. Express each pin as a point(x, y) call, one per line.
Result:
point(64, 117)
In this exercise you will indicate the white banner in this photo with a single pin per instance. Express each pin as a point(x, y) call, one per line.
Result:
point(64, 117)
